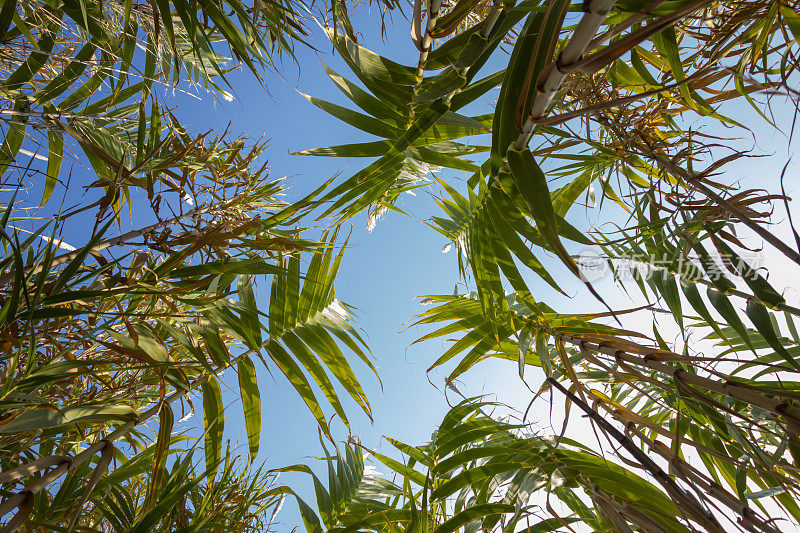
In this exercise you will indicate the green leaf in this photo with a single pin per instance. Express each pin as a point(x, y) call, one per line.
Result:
point(249, 312)
point(363, 99)
point(6, 14)
point(532, 184)
point(358, 120)
point(760, 286)
point(54, 159)
point(66, 275)
point(667, 287)
point(89, 16)
point(32, 64)
point(251, 402)
point(234, 266)
point(714, 273)
point(214, 423)
point(696, 301)
point(474, 513)
point(165, 422)
point(544, 353)
point(667, 45)
point(723, 306)
point(390, 81)
point(67, 77)
point(791, 19)
point(48, 417)
point(15, 135)
point(366, 149)
point(760, 318)
point(289, 368)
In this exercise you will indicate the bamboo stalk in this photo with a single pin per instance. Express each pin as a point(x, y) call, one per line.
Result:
point(425, 43)
point(31, 468)
point(726, 387)
point(416, 25)
point(617, 30)
point(434, 6)
point(571, 58)
point(639, 518)
point(697, 511)
point(749, 518)
point(609, 510)
point(598, 60)
point(102, 464)
point(554, 73)
point(596, 13)
point(11, 503)
point(25, 507)
point(491, 18)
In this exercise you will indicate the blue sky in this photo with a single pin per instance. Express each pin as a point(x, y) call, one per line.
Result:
point(381, 274)
point(384, 271)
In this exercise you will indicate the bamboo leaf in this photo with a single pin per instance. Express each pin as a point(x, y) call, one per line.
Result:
point(6, 14)
point(723, 306)
point(760, 318)
point(214, 422)
point(251, 402)
point(54, 159)
point(532, 184)
point(49, 417)
point(474, 513)
point(165, 422)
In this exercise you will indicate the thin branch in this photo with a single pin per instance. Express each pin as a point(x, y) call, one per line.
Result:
point(696, 182)
point(65, 258)
point(698, 513)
